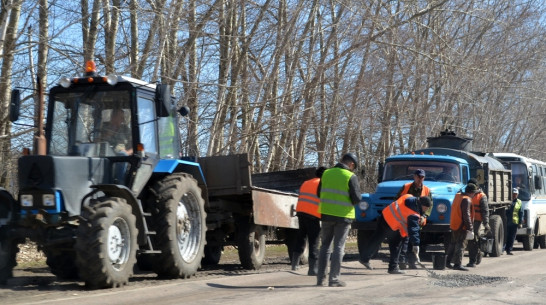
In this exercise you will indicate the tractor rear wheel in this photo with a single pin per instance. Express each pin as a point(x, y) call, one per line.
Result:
point(8, 252)
point(181, 226)
point(106, 243)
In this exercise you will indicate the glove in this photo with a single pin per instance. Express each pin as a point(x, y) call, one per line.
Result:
point(520, 226)
point(416, 252)
point(487, 227)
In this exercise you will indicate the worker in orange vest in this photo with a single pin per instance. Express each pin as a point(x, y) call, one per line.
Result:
point(417, 188)
point(481, 225)
point(309, 222)
point(398, 220)
point(461, 225)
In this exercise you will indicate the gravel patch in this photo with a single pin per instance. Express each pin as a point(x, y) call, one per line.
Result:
point(463, 280)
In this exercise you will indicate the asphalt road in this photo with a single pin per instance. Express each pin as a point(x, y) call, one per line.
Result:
point(517, 279)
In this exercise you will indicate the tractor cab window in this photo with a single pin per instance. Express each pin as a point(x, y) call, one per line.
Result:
point(91, 123)
point(147, 124)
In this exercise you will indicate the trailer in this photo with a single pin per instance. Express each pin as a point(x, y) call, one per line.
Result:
point(247, 210)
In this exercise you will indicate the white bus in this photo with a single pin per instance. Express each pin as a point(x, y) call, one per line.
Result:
point(529, 176)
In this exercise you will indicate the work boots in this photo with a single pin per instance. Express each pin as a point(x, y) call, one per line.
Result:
point(296, 257)
point(313, 267)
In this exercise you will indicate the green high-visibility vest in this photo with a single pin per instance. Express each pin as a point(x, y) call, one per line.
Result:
point(517, 207)
point(334, 193)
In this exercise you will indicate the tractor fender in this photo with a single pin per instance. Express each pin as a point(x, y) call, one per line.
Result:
point(169, 166)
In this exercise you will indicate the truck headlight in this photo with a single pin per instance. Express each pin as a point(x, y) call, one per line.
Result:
point(26, 200)
point(363, 205)
point(441, 208)
point(48, 200)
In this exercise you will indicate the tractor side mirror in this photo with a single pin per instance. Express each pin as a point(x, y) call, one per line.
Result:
point(184, 111)
point(163, 100)
point(14, 105)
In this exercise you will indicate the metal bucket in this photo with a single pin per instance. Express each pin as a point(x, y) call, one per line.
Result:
point(439, 261)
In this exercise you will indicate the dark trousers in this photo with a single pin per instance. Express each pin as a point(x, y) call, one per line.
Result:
point(405, 255)
point(310, 230)
point(474, 252)
point(511, 232)
point(394, 239)
point(458, 243)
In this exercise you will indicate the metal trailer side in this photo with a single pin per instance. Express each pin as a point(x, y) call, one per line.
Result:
point(245, 206)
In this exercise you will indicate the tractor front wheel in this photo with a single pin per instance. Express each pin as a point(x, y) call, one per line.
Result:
point(106, 243)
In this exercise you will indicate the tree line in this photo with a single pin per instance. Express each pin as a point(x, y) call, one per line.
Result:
point(296, 83)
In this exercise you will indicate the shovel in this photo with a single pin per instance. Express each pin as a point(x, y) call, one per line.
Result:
point(423, 266)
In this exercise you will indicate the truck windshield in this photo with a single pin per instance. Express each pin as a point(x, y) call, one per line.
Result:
point(90, 123)
point(435, 171)
point(520, 180)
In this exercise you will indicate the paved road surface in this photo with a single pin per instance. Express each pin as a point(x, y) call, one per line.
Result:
point(518, 279)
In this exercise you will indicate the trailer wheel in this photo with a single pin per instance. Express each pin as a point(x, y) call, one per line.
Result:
point(62, 263)
point(251, 244)
point(181, 226)
point(106, 243)
point(528, 242)
point(8, 252)
point(497, 229)
point(212, 255)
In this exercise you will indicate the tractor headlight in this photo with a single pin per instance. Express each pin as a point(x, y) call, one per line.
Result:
point(441, 208)
point(363, 205)
point(26, 201)
point(48, 200)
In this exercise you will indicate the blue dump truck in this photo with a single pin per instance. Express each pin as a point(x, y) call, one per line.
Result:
point(449, 164)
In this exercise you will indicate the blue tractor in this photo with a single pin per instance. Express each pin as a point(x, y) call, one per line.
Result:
point(96, 201)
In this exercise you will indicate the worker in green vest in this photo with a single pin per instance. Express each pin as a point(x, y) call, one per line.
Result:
point(339, 192)
point(513, 219)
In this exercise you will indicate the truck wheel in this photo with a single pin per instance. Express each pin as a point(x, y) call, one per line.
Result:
point(362, 239)
point(181, 226)
point(497, 229)
point(8, 252)
point(528, 242)
point(62, 263)
point(106, 243)
point(212, 255)
point(251, 244)
point(541, 241)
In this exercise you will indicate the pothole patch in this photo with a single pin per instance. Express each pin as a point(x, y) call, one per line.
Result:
point(463, 280)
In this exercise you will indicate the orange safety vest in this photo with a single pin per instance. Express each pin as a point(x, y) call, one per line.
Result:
point(476, 206)
point(425, 191)
point(396, 215)
point(456, 220)
point(308, 201)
